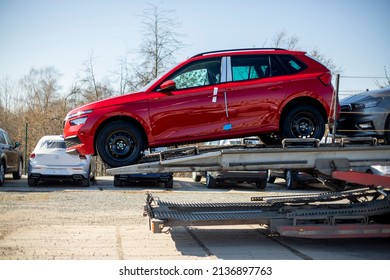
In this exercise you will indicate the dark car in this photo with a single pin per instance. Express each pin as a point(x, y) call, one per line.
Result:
point(140, 178)
point(11, 158)
point(270, 93)
point(366, 114)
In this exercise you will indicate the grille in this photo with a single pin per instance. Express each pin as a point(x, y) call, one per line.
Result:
point(72, 141)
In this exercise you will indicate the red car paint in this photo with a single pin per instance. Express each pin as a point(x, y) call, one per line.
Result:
point(239, 101)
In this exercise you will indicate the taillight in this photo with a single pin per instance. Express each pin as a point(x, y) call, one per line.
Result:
point(326, 79)
point(32, 155)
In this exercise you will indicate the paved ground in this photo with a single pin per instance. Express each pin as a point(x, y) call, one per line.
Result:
point(63, 221)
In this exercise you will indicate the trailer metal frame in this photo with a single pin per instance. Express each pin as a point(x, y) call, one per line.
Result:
point(355, 212)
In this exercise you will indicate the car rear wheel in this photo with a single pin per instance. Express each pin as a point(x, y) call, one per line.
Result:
point(120, 143)
point(303, 122)
point(168, 184)
point(210, 181)
point(2, 173)
point(291, 181)
point(85, 182)
point(261, 184)
point(18, 174)
point(32, 182)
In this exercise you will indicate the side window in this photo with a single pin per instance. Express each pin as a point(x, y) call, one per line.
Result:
point(292, 64)
point(198, 73)
point(250, 67)
point(255, 66)
point(2, 138)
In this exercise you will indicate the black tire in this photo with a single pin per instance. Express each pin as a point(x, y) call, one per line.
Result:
point(271, 139)
point(120, 143)
point(210, 181)
point(32, 182)
point(117, 181)
point(261, 184)
point(18, 174)
point(303, 121)
point(85, 182)
point(2, 173)
point(169, 184)
point(270, 179)
point(196, 177)
point(387, 131)
point(291, 181)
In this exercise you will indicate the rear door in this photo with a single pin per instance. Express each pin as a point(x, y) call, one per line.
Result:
point(256, 88)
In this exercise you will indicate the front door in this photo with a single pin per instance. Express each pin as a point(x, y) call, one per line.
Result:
point(195, 108)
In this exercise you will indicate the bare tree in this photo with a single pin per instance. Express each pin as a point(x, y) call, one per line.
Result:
point(126, 83)
point(8, 105)
point(328, 62)
point(282, 39)
point(160, 45)
point(41, 100)
point(89, 87)
point(386, 82)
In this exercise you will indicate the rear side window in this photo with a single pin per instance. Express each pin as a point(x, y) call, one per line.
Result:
point(254, 67)
point(292, 64)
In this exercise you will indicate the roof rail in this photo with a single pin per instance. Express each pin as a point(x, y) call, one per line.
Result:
point(245, 49)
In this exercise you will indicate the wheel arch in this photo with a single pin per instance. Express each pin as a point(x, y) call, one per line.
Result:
point(304, 100)
point(120, 118)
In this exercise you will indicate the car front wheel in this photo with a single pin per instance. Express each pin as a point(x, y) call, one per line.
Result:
point(120, 143)
point(303, 122)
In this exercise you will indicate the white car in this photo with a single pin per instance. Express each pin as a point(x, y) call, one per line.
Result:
point(49, 160)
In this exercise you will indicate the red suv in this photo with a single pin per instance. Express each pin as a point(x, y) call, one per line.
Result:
point(272, 93)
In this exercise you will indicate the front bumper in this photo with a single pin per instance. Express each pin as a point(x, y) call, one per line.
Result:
point(361, 123)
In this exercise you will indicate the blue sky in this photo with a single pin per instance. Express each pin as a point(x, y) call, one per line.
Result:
point(39, 33)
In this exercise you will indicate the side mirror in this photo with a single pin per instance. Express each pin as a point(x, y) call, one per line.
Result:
point(168, 85)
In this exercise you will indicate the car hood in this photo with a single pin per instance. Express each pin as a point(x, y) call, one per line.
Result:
point(117, 100)
point(357, 98)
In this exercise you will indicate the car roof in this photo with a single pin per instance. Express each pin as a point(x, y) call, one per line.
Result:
point(246, 50)
point(53, 137)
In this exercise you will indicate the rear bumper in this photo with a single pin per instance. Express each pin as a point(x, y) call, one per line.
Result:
point(42, 177)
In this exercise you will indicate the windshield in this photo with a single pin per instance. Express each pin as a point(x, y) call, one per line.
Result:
point(145, 87)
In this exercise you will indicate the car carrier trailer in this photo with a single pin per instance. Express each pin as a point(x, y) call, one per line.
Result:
point(360, 210)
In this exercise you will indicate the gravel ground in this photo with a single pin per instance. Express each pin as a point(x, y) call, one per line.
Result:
point(62, 221)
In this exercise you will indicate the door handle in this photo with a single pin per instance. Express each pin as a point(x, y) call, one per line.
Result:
point(275, 88)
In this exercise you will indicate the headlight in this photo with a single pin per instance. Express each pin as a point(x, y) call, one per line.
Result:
point(368, 103)
point(78, 121)
point(77, 114)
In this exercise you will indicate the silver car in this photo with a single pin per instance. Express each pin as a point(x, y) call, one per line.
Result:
point(366, 114)
point(49, 160)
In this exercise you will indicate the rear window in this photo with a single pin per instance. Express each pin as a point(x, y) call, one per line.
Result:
point(292, 64)
point(52, 144)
